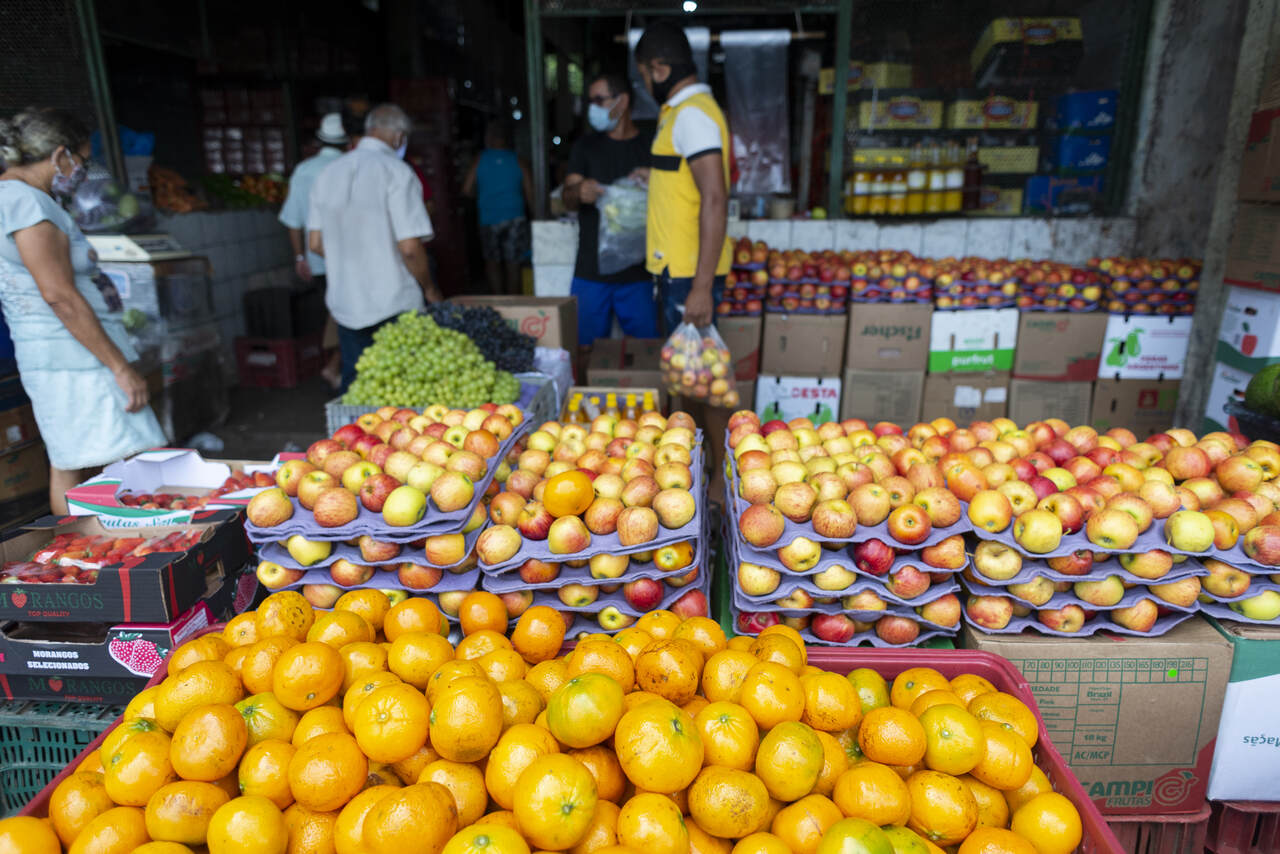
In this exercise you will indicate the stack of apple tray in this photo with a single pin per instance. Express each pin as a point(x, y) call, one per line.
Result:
point(866, 588)
point(432, 557)
point(670, 571)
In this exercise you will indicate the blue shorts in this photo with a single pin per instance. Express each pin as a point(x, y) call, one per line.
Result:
point(673, 293)
point(598, 302)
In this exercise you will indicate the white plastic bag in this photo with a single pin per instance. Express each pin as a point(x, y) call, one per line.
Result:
point(624, 210)
point(697, 364)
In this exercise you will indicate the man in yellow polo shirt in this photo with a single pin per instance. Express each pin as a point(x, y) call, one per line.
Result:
point(688, 181)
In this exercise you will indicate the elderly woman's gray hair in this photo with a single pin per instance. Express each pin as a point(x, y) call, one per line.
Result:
point(388, 117)
point(36, 133)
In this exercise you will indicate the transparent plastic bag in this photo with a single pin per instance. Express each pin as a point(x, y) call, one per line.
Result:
point(624, 211)
point(697, 364)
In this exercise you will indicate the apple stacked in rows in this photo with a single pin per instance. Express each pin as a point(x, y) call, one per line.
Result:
point(833, 519)
point(1149, 285)
point(602, 519)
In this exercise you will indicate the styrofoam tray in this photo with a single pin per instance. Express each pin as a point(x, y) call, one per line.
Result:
point(1090, 627)
point(277, 553)
point(386, 580)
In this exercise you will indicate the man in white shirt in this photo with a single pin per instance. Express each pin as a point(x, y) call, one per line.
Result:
point(368, 220)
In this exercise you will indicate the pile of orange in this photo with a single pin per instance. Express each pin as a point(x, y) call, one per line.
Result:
point(365, 730)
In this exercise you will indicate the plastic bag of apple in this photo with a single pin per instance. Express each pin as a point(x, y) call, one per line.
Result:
point(697, 364)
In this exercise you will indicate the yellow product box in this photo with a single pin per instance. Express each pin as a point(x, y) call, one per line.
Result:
point(973, 110)
point(899, 109)
point(867, 75)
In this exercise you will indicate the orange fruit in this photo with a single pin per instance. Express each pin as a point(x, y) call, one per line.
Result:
point(163, 848)
point(235, 659)
point(969, 685)
point(480, 643)
point(834, 763)
point(760, 843)
point(317, 722)
point(180, 812)
point(117, 831)
point(704, 633)
point(789, 761)
point(450, 672)
point(127, 729)
point(658, 747)
point(339, 628)
point(724, 673)
point(602, 656)
point(802, 824)
point(284, 613)
point(913, 682)
point(416, 656)
point(779, 649)
point(905, 841)
point(210, 647)
point(729, 735)
point(373, 605)
point(502, 665)
point(383, 774)
point(248, 825)
point(637, 698)
point(310, 832)
point(943, 809)
point(137, 768)
point(142, 705)
point(362, 688)
point(891, 735)
point(555, 798)
point(954, 740)
point(936, 697)
point(539, 634)
point(848, 741)
point(790, 633)
point(660, 624)
point(260, 662)
point(1006, 764)
point(995, 840)
point(854, 834)
point(264, 771)
point(515, 751)
point(466, 719)
point(873, 791)
point(348, 830)
point(360, 659)
point(481, 609)
point(669, 668)
point(408, 770)
point(567, 494)
point(633, 640)
point(208, 743)
point(327, 771)
point(1008, 711)
point(729, 803)
point(486, 840)
point(241, 630)
point(201, 684)
point(830, 702)
point(1037, 784)
point(1050, 822)
point(521, 702)
point(771, 693)
point(28, 835)
point(465, 783)
point(993, 809)
point(695, 705)
point(547, 676)
point(651, 822)
point(585, 710)
point(75, 802)
point(390, 724)
point(415, 614)
point(307, 675)
point(604, 767)
point(602, 831)
point(701, 842)
point(266, 717)
point(873, 691)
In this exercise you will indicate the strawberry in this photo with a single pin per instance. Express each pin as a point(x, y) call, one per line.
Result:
point(140, 657)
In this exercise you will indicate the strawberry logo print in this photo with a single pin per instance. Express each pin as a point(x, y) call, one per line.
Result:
point(139, 656)
point(55, 685)
point(1249, 342)
point(18, 598)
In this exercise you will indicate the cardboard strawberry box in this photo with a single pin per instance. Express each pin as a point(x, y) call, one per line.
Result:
point(168, 485)
point(73, 568)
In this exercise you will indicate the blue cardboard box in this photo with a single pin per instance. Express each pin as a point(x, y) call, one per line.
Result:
point(1092, 111)
point(1049, 194)
point(1074, 154)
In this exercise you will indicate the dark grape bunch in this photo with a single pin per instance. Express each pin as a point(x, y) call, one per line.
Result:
point(498, 341)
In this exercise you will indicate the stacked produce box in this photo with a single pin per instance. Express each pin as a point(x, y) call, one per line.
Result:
point(1165, 286)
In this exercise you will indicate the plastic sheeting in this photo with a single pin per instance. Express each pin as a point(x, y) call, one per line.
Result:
point(755, 70)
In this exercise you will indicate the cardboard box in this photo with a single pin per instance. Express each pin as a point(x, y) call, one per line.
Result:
point(1143, 406)
point(553, 321)
point(1244, 766)
point(965, 397)
point(18, 427)
point(746, 394)
point(1036, 400)
point(24, 471)
point(1059, 345)
point(979, 340)
point(1145, 347)
point(783, 398)
point(625, 362)
point(742, 336)
point(154, 588)
point(1260, 163)
point(888, 337)
point(1253, 260)
point(1227, 383)
point(1135, 718)
point(1049, 194)
point(802, 345)
point(882, 396)
point(1249, 337)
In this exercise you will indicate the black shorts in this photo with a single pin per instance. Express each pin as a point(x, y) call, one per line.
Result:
point(508, 240)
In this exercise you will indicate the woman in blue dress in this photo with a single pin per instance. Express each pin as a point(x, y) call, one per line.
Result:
point(73, 355)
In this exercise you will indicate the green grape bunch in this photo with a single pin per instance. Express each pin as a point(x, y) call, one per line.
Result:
point(414, 362)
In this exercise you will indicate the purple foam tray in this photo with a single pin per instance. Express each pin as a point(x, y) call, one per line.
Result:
point(769, 601)
point(1222, 612)
point(838, 557)
point(387, 580)
point(1131, 597)
point(277, 553)
point(550, 599)
point(367, 522)
point(1091, 627)
point(1032, 568)
point(1254, 589)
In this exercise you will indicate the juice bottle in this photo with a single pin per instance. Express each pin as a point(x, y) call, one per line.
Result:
point(954, 199)
point(573, 415)
point(897, 186)
point(972, 194)
point(934, 198)
point(878, 197)
point(591, 408)
point(917, 181)
point(630, 411)
point(861, 185)
point(611, 405)
point(649, 405)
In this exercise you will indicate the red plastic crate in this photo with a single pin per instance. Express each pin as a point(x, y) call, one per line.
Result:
point(1244, 827)
point(278, 362)
point(1183, 833)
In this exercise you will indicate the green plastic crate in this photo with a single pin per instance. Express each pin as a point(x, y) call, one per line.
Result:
point(38, 740)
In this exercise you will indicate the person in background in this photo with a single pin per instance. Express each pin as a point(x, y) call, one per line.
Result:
point(74, 357)
point(503, 188)
point(368, 220)
point(686, 248)
point(614, 151)
point(293, 215)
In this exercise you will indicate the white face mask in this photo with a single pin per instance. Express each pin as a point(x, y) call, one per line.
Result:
point(404, 146)
point(598, 116)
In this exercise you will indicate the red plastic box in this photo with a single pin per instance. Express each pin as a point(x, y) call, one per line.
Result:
point(278, 362)
point(1183, 833)
point(1244, 827)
